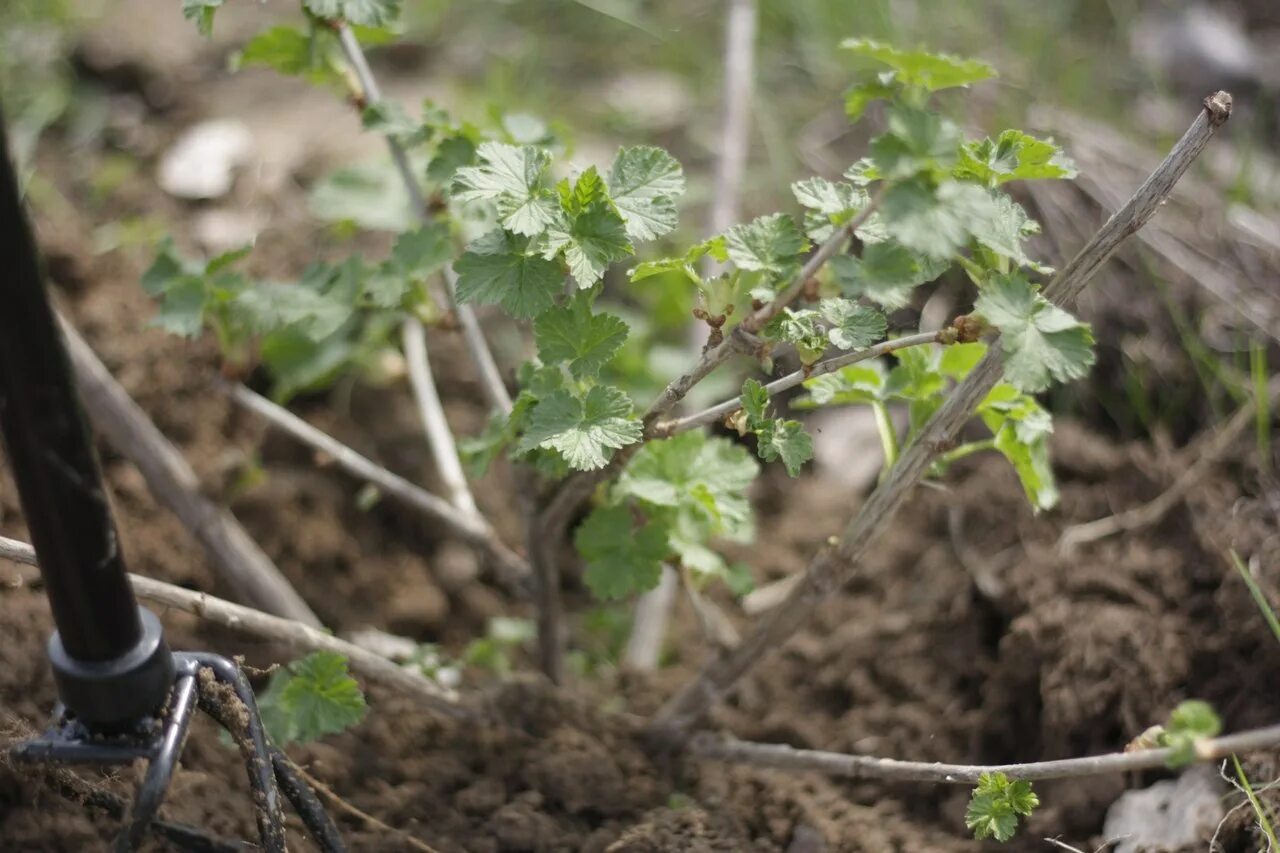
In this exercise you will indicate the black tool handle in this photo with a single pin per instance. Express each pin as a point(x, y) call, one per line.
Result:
point(52, 456)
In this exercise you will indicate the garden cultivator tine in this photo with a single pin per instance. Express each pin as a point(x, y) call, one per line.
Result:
point(123, 694)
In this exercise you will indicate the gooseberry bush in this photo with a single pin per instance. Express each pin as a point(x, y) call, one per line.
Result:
point(563, 248)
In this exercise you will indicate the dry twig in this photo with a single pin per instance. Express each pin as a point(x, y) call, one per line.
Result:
point(866, 767)
point(288, 632)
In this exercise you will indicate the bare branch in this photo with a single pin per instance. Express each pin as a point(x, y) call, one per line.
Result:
point(834, 566)
point(791, 380)
point(649, 627)
point(739, 80)
point(430, 409)
point(295, 635)
point(247, 570)
point(495, 389)
point(513, 570)
point(866, 767)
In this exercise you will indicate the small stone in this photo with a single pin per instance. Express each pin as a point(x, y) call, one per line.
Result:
point(202, 163)
point(1170, 815)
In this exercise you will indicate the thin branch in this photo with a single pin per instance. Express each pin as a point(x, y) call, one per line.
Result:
point(430, 409)
point(739, 81)
point(835, 565)
point(649, 627)
point(288, 632)
point(495, 389)
point(791, 380)
point(512, 569)
point(247, 570)
point(866, 767)
point(1206, 454)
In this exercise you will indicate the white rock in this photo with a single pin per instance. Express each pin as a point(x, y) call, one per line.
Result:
point(1170, 815)
point(201, 164)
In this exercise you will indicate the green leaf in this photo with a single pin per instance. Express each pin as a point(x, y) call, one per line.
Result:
point(1005, 228)
point(298, 362)
point(853, 326)
point(881, 87)
point(416, 255)
point(704, 478)
point(933, 220)
point(621, 559)
point(785, 440)
point(769, 244)
point(269, 307)
point(591, 233)
point(390, 119)
point(931, 71)
point(496, 269)
point(201, 11)
point(830, 204)
point(1021, 428)
point(755, 404)
point(293, 52)
point(367, 13)
point(996, 804)
point(917, 140)
point(854, 383)
point(584, 431)
point(513, 178)
point(1041, 342)
point(644, 183)
point(1013, 156)
point(371, 195)
point(887, 273)
point(1192, 721)
point(800, 329)
point(182, 309)
point(311, 698)
point(452, 153)
point(578, 339)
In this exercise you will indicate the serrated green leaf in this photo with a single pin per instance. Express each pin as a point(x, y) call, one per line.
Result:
point(311, 698)
point(182, 309)
point(416, 255)
point(585, 431)
point(513, 178)
point(933, 220)
point(1193, 720)
point(769, 244)
point(1013, 156)
point(996, 804)
point(645, 183)
point(1041, 342)
point(831, 198)
point(801, 329)
point(575, 337)
point(755, 403)
point(852, 326)
point(785, 440)
point(496, 269)
point(703, 477)
point(1004, 229)
point(590, 232)
point(916, 140)
point(621, 559)
point(931, 71)
point(887, 273)
point(366, 13)
point(1021, 429)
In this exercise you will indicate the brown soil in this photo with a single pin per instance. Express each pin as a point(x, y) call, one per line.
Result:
point(1058, 657)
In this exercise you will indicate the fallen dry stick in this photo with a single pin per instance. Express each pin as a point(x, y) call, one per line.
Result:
point(288, 632)
point(832, 567)
point(783, 757)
